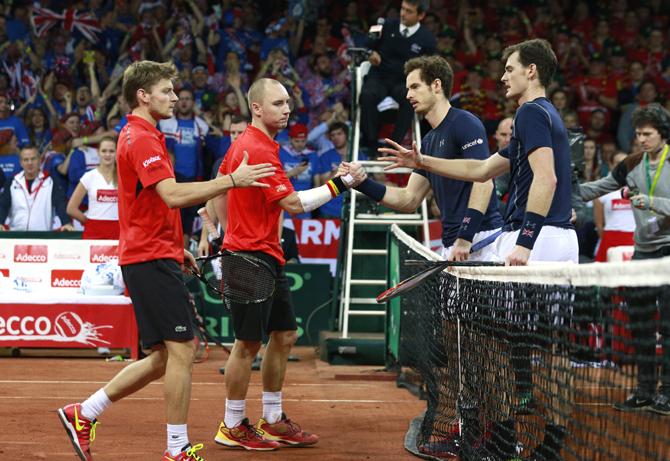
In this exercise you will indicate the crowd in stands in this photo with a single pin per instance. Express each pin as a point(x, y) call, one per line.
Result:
point(60, 86)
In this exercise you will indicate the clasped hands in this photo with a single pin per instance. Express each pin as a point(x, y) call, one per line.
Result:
point(356, 171)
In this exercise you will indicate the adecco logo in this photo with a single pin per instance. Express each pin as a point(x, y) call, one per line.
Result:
point(24, 326)
point(30, 254)
point(64, 327)
point(63, 278)
point(60, 255)
point(107, 196)
point(104, 253)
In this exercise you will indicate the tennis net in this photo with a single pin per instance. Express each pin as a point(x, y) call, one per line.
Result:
point(537, 362)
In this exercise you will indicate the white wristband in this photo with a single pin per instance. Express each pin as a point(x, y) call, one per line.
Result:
point(313, 198)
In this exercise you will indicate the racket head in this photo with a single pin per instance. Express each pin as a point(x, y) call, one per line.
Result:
point(433, 267)
point(246, 278)
point(409, 283)
point(237, 277)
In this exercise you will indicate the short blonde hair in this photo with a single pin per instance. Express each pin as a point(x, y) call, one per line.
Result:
point(144, 75)
point(256, 92)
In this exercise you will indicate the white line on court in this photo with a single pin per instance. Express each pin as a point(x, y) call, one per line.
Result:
point(30, 397)
point(13, 442)
point(338, 383)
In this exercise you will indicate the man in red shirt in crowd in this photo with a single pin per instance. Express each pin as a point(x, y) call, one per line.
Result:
point(251, 226)
point(150, 254)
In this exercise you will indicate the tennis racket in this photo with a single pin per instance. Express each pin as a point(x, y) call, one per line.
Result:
point(415, 280)
point(238, 277)
point(436, 266)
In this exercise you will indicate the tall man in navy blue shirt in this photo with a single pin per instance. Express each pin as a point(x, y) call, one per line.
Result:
point(400, 41)
point(537, 223)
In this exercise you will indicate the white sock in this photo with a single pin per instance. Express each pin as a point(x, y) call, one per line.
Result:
point(95, 405)
point(235, 413)
point(272, 406)
point(177, 438)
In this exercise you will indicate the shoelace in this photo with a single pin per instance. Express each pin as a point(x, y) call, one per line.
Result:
point(253, 432)
point(191, 452)
point(293, 426)
point(93, 426)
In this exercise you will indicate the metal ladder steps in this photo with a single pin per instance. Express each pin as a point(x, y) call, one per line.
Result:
point(386, 219)
point(369, 252)
point(367, 282)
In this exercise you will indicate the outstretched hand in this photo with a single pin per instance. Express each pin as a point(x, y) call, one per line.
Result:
point(400, 156)
point(248, 175)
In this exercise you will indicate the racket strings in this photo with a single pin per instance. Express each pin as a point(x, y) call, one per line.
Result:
point(245, 279)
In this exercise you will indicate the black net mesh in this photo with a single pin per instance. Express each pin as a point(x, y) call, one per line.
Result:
point(542, 371)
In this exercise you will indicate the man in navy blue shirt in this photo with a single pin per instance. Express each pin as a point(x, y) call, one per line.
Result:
point(469, 212)
point(537, 222)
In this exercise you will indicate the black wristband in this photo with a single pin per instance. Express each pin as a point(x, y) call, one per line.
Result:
point(372, 189)
point(530, 229)
point(341, 186)
point(472, 220)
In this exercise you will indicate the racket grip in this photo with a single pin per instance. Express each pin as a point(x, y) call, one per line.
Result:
point(207, 221)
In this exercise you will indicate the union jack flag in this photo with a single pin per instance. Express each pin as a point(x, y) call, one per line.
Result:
point(44, 19)
point(527, 233)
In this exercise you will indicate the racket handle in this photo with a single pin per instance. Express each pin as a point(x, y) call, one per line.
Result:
point(211, 228)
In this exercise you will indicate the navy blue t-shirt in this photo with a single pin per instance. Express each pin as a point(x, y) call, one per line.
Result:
point(538, 124)
point(460, 135)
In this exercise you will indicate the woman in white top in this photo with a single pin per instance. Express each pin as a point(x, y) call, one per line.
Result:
point(101, 220)
point(613, 216)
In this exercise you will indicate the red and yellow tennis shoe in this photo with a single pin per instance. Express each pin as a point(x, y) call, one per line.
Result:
point(244, 436)
point(80, 430)
point(187, 454)
point(286, 432)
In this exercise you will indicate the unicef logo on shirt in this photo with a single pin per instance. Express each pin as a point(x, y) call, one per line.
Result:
point(474, 142)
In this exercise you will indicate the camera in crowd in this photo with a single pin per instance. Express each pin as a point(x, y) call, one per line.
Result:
point(628, 192)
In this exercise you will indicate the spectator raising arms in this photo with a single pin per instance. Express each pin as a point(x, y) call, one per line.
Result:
point(101, 221)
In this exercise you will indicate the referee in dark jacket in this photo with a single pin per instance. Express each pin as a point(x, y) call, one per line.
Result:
point(400, 42)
